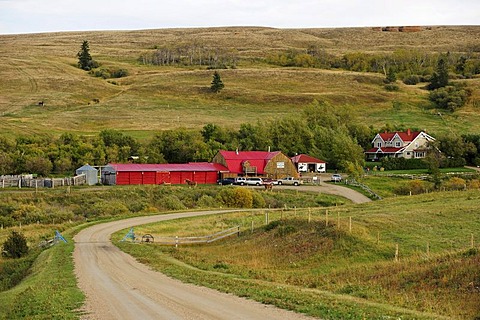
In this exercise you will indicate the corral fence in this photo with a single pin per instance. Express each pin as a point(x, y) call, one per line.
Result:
point(353, 182)
point(29, 181)
point(176, 240)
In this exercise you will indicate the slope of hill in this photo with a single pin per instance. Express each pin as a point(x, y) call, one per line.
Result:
point(42, 67)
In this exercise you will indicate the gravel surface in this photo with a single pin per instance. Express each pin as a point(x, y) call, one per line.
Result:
point(119, 287)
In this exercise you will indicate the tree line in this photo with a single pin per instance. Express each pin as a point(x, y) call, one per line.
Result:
point(191, 55)
point(321, 130)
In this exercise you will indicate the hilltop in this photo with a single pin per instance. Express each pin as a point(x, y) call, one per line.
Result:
point(42, 67)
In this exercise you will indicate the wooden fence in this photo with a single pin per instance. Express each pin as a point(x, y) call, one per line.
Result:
point(176, 241)
point(28, 181)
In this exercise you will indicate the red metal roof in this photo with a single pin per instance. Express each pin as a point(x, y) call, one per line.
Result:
point(259, 159)
point(168, 167)
point(306, 159)
point(407, 136)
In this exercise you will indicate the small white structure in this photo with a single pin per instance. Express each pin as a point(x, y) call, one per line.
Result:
point(90, 172)
point(306, 163)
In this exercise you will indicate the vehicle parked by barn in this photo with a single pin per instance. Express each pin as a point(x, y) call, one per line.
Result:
point(290, 181)
point(254, 181)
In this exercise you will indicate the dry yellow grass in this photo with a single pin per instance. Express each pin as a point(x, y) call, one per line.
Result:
point(42, 67)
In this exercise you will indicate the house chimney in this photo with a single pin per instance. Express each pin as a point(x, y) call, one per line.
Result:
point(408, 132)
point(236, 151)
point(268, 148)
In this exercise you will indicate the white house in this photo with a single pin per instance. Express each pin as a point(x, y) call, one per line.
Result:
point(306, 163)
point(409, 145)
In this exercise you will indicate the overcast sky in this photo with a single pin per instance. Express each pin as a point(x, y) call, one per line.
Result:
point(27, 16)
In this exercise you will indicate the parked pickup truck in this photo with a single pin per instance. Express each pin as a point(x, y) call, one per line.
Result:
point(290, 181)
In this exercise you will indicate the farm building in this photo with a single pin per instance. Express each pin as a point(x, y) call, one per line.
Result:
point(306, 163)
point(252, 163)
point(90, 173)
point(199, 172)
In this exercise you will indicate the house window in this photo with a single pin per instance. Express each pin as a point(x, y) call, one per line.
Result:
point(379, 144)
point(397, 144)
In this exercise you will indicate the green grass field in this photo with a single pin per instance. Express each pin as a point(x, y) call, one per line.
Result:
point(331, 272)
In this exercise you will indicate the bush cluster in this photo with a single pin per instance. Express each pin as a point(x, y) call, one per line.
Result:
point(403, 164)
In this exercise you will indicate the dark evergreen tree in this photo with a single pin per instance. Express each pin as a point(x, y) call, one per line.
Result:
point(85, 60)
point(217, 83)
point(15, 246)
point(440, 76)
point(391, 76)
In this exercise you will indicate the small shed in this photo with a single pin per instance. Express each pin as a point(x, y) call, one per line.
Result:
point(306, 163)
point(90, 172)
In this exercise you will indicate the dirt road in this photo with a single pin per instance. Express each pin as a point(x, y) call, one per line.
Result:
point(119, 287)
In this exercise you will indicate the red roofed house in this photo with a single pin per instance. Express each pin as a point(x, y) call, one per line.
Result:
point(252, 163)
point(409, 145)
point(306, 163)
point(199, 172)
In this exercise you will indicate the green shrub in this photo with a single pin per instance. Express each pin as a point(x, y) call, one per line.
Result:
point(15, 246)
point(207, 201)
point(411, 79)
point(236, 197)
point(258, 201)
point(392, 87)
point(403, 164)
point(172, 202)
point(451, 97)
point(106, 209)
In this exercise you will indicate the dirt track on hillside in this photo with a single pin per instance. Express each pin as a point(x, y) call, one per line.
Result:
point(119, 287)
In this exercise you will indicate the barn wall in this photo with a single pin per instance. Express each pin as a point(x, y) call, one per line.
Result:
point(152, 177)
point(272, 170)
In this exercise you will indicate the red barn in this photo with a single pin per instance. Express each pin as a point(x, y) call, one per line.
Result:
point(199, 172)
point(263, 163)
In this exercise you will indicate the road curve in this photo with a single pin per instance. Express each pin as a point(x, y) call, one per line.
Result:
point(118, 287)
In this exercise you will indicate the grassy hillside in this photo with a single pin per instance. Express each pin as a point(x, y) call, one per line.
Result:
point(332, 273)
point(42, 67)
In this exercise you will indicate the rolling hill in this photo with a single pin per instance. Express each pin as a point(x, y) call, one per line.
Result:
point(42, 67)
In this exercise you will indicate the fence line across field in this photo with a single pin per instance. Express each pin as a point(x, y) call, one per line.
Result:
point(200, 239)
point(29, 181)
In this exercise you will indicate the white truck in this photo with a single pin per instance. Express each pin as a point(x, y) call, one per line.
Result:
point(290, 181)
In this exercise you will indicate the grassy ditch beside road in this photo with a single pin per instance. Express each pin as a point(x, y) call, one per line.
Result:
point(332, 272)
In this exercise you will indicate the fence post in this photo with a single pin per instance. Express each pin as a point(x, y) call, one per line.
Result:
point(326, 218)
point(472, 242)
point(349, 224)
point(252, 225)
point(428, 249)
point(176, 241)
point(338, 219)
point(238, 231)
point(309, 215)
point(396, 252)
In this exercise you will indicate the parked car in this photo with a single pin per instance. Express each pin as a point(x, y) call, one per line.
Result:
point(336, 178)
point(254, 181)
point(290, 181)
point(240, 181)
point(269, 181)
point(226, 181)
